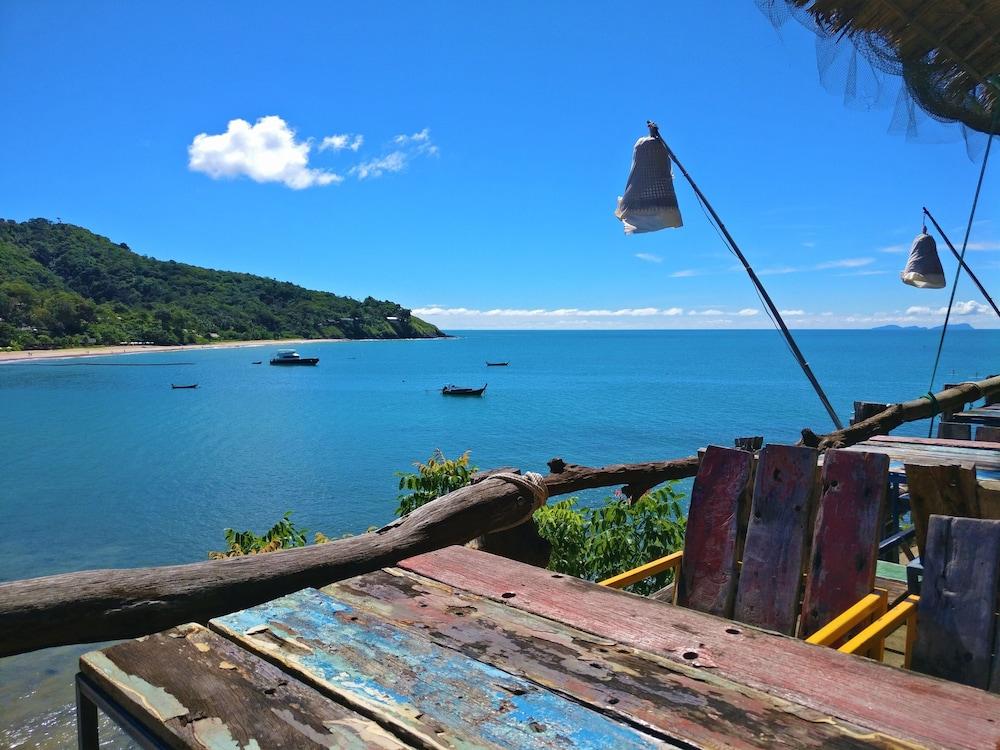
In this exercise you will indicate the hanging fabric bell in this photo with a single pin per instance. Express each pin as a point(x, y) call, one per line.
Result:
point(649, 203)
point(923, 269)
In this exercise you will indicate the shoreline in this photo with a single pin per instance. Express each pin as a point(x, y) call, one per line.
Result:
point(34, 355)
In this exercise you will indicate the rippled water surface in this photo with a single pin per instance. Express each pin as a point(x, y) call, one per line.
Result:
point(106, 466)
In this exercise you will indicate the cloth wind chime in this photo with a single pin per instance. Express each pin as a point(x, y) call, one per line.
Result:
point(649, 204)
point(923, 268)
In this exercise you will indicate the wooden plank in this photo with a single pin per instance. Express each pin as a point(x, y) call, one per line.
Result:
point(980, 444)
point(918, 709)
point(956, 616)
point(947, 490)
point(771, 577)
point(988, 494)
point(194, 689)
point(676, 701)
point(986, 433)
point(954, 431)
point(845, 541)
point(708, 571)
point(429, 694)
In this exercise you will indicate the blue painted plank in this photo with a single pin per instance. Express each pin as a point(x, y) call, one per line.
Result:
point(425, 691)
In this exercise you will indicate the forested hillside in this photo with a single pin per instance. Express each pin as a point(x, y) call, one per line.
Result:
point(61, 285)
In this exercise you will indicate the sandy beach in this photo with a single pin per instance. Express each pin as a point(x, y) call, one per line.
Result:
point(100, 351)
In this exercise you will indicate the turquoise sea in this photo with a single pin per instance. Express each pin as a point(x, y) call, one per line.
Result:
point(106, 466)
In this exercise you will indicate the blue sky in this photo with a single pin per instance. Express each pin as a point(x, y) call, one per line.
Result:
point(494, 140)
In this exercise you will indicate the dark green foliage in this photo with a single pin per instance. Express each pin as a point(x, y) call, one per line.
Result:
point(602, 541)
point(587, 542)
point(61, 285)
point(437, 477)
point(283, 535)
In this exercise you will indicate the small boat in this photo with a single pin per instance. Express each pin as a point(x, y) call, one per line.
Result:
point(183, 387)
point(291, 357)
point(497, 364)
point(258, 362)
point(452, 390)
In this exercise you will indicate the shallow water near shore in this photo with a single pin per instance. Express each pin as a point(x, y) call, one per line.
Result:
point(109, 467)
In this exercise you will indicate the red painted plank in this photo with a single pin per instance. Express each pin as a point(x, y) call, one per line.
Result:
point(901, 704)
point(956, 617)
point(774, 553)
point(708, 571)
point(845, 540)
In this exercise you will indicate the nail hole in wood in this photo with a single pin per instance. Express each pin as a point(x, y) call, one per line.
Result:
point(690, 655)
point(508, 595)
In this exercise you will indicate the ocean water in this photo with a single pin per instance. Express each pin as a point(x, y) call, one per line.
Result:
point(106, 466)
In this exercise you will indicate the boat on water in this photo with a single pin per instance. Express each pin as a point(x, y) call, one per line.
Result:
point(183, 387)
point(453, 390)
point(291, 357)
point(497, 364)
point(258, 362)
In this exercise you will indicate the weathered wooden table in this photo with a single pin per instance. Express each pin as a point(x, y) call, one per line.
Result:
point(458, 648)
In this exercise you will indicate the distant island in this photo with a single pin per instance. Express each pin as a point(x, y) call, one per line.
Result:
point(62, 286)
point(951, 327)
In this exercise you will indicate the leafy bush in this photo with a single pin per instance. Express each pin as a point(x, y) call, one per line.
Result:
point(601, 541)
point(438, 476)
point(283, 535)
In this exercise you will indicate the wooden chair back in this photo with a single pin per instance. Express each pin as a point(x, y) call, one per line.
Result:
point(988, 433)
point(954, 430)
point(940, 489)
point(785, 529)
point(957, 631)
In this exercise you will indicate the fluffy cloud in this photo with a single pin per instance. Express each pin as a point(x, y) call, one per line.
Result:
point(748, 312)
point(649, 257)
point(792, 313)
point(969, 307)
point(266, 151)
point(407, 148)
point(340, 142)
point(564, 312)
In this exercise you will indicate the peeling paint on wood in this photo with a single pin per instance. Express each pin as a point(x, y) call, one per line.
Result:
point(433, 694)
point(172, 684)
point(672, 700)
point(919, 710)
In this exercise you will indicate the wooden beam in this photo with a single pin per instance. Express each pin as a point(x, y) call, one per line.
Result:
point(104, 605)
point(950, 399)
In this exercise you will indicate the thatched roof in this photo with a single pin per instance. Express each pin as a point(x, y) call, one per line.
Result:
point(947, 51)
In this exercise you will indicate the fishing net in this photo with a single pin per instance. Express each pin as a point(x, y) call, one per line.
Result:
point(932, 62)
point(649, 202)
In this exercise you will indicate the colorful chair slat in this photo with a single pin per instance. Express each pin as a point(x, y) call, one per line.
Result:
point(952, 630)
point(759, 580)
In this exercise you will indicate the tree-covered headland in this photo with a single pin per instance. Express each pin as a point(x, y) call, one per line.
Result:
point(62, 285)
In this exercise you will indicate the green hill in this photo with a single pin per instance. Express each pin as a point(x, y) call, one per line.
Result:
point(61, 285)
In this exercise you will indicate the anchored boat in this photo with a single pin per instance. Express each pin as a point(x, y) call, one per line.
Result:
point(452, 390)
point(291, 357)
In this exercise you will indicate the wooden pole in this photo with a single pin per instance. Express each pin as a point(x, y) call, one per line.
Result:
point(654, 131)
point(951, 399)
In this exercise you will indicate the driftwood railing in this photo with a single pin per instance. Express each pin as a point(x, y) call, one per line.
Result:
point(101, 605)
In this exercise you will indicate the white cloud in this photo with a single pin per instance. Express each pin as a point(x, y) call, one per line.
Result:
point(649, 257)
point(778, 270)
point(266, 151)
point(845, 263)
point(342, 141)
point(894, 249)
point(983, 246)
point(711, 311)
point(747, 312)
point(409, 147)
point(685, 273)
point(564, 312)
point(792, 313)
point(969, 307)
